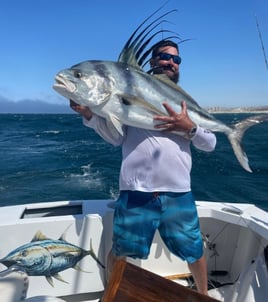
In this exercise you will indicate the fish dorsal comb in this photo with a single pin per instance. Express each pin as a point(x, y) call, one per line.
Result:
point(136, 50)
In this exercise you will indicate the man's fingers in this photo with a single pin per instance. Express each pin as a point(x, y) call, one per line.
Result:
point(169, 109)
point(183, 107)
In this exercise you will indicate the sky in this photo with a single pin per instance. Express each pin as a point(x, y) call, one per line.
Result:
point(222, 64)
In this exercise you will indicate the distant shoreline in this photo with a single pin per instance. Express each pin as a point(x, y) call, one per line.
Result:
point(232, 112)
point(67, 110)
point(255, 110)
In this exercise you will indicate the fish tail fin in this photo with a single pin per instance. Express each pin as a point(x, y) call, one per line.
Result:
point(235, 140)
point(93, 255)
point(235, 137)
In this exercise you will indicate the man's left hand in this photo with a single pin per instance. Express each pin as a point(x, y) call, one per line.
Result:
point(176, 121)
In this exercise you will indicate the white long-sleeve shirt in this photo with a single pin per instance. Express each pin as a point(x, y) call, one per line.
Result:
point(153, 161)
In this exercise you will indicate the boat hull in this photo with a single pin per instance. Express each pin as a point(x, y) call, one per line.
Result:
point(235, 241)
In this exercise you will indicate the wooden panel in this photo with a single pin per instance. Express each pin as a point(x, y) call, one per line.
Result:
point(129, 283)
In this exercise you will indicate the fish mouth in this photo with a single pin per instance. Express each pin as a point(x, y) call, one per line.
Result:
point(9, 263)
point(62, 84)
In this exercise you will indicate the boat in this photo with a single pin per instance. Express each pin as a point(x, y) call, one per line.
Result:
point(57, 251)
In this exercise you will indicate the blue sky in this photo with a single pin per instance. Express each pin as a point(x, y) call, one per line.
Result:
point(223, 64)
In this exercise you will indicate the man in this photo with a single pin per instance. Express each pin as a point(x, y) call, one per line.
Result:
point(155, 186)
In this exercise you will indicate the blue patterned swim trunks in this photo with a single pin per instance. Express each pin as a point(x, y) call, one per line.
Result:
point(138, 215)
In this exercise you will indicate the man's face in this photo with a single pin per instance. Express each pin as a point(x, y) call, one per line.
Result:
point(166, 66)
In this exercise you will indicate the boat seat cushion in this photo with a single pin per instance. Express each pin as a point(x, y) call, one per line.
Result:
point(13, 285)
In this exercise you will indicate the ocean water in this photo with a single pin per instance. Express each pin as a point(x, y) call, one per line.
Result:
point(52, 157)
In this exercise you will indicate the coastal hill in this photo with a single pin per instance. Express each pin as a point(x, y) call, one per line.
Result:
point(253, 109)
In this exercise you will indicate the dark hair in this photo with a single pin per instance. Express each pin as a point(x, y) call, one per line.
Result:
point(161, 44)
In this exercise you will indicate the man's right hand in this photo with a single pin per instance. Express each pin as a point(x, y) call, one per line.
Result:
point(83, 110)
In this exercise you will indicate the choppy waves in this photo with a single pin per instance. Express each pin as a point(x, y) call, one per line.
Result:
point(54, 157)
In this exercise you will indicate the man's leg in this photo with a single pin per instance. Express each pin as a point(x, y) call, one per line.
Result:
point(199, 272)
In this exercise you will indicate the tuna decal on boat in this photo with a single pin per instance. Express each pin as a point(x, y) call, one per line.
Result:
point(47, 257)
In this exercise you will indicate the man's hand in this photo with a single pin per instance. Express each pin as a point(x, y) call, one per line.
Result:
point(175, 121)
point(83, 110)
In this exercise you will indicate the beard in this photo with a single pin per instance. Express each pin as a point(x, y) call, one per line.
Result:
point(172, 74)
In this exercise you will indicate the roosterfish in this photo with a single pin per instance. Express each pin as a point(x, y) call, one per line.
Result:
point(124, 94)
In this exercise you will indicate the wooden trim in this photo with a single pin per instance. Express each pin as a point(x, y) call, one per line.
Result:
point(130, 283)
point(178, 276)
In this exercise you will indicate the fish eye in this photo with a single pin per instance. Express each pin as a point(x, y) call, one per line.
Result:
point(24, 253)
point(77, 74)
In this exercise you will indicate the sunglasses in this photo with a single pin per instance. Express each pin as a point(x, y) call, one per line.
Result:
point(166, 57)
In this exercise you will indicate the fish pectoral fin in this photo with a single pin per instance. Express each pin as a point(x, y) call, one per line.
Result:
point(116, 124)
point(50, 280)
point(58, 277)
point(166, 80)
point(131, 100)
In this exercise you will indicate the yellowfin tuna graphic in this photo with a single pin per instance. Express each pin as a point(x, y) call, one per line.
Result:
point(47, 257)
